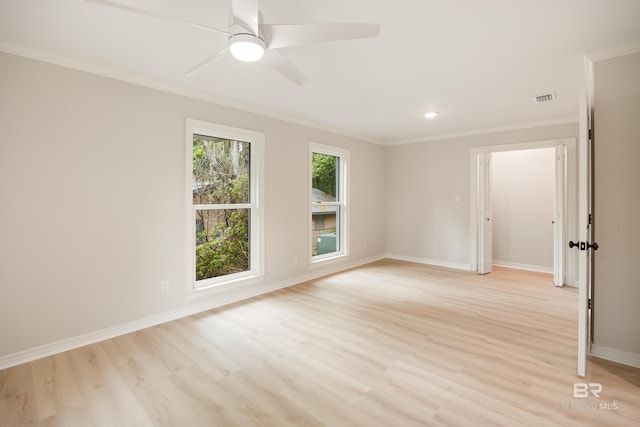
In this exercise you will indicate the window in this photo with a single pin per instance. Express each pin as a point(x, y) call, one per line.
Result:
point(328, 202)
point(224, 214)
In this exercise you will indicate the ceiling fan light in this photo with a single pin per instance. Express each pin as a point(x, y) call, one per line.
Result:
point(246, 47)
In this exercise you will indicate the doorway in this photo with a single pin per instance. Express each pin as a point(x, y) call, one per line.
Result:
point(522, 194)
point(518, 241)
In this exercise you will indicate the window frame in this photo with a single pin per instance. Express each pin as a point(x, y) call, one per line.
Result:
point(342, 228)
point(255, 205)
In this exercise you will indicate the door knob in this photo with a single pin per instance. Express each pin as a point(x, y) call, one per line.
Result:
point(583, 246)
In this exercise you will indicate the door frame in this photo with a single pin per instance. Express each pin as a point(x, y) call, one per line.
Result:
point(583, 234)
point(560, 217)
point(485, 216)
point(585, 197)
point(474, 230)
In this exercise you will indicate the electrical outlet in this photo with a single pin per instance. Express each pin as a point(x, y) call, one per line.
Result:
point(164, 286)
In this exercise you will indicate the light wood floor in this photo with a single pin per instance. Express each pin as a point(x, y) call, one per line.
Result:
point(387, 344)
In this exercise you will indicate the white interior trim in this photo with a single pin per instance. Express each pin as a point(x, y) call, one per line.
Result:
point(129, 78)
point(614, 355)
point(427, 261)
point(255, 206)
point(473, 178)
point(602, 55)
point(496, 129)
point(176, 90)
point(18, 358)
point(519, 266)
point(344, 217)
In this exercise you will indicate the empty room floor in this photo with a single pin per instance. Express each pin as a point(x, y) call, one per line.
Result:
point(390, 343)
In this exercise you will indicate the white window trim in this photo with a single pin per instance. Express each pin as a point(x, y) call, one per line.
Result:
point(257, 252)
point(343, 190)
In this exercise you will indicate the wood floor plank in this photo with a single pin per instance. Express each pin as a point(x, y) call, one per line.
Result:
point(55, 384)
point(260, 393)
point(390, 343)
point(17, 401)
point(326, 407)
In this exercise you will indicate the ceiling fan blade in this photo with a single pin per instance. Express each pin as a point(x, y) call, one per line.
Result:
point(245, 13)
point(284, 35)
point(132, 9)
point(280, 63)
point(208, 61)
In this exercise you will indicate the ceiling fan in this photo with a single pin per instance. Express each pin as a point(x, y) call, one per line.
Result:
point(251, 40)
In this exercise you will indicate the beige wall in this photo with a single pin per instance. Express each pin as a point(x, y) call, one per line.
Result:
point(92, 189)
point(428, 194)
point(522, 206)
point(617, 207)
point(92, 217)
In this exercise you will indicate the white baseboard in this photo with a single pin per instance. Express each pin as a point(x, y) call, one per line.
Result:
point(439, 263)
point(520, 266)
point(614, 355)
point(67, 344)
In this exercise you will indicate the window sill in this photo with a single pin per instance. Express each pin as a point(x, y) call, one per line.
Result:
point(223, 288)
point(333, 259)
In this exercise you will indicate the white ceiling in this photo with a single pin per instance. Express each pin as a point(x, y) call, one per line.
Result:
point(478, 63)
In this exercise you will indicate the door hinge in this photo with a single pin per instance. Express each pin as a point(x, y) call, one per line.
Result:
point(590, 133)
point(590, 219)
point(589, 304)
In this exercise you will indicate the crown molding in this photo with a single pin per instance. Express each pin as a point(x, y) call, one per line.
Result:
point(169, 88)
point(497, 129)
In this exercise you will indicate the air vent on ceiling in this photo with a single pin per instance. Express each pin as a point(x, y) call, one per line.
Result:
point(547, 97)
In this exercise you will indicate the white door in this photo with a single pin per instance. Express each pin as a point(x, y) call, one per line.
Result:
point(558, 220)
point(584, 208)
point(484, 209)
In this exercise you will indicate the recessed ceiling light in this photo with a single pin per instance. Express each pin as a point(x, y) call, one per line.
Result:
point(430, 114)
